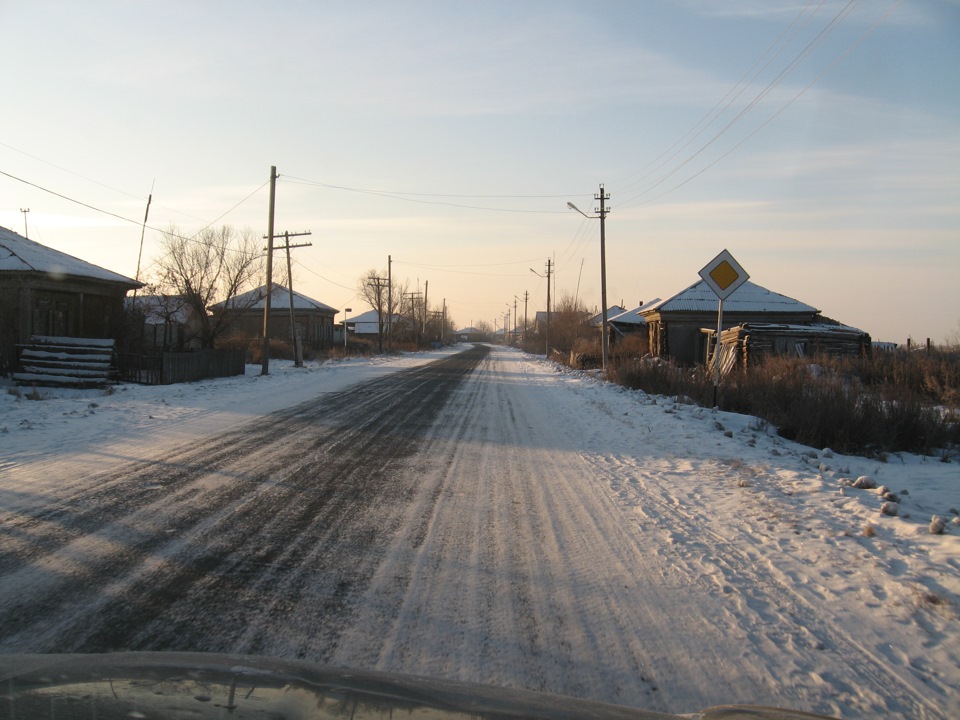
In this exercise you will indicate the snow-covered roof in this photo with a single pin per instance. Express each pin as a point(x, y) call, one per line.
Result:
point(279, 298)
point(749, 297)
point(632, 317)
point(811, 328)
point(612, 311)
point(470, 331)
point(19, 254)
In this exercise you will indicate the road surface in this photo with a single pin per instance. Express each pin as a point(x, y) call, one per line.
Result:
point(445, 521)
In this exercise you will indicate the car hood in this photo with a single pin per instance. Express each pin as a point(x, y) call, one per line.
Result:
point(198, 686)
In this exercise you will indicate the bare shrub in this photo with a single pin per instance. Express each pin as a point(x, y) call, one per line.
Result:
point(870, 406)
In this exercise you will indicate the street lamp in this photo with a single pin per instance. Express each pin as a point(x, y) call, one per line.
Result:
point(345, 311)
point(603, 266)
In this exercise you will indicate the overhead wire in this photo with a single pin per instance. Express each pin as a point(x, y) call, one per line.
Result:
point(815, 42)
point(850, 48)
point(730, 97)
point(419, 197)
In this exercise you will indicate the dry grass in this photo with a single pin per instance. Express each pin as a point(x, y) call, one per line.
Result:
point(869, 406)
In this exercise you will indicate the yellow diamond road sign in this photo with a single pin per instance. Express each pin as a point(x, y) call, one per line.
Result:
point(724, 275)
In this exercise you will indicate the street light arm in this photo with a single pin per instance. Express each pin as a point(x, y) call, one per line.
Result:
point(574, 207)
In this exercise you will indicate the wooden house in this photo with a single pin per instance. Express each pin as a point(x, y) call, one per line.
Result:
point(682, 326)
point(312, 319)
point(45, 292)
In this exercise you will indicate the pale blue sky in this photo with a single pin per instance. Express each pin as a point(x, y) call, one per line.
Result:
point(818, 142)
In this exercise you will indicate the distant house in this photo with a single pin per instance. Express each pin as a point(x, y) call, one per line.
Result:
point(614, 310)
point(312, 320)
point(167, 323)
point(366, 326)
point(45, 292)
point(471, 334)
point(629, 322)
point(684, 325)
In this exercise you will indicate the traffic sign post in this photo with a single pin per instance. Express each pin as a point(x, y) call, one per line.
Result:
point(723, 275)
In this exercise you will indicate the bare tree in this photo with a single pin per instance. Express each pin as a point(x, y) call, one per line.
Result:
point(372, 287)
point(570, 323)
point(214, 265)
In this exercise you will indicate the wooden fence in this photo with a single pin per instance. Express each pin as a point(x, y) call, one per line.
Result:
point(178, 367)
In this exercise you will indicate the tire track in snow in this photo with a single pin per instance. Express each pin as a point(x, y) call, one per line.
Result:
point(763, 605)
point(507, 584)
point(174, 571)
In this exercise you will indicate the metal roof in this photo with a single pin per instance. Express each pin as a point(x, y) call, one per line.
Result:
point(19, 254)
point(279, 298)
point(749, 298)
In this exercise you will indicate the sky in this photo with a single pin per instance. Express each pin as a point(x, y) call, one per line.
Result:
point(817, 142)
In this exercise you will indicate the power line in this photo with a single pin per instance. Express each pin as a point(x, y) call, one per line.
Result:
point(829, 68)
point(121, 217)
point(733, 93)
point(790, 67)
point(418, 198)
point(92, 180)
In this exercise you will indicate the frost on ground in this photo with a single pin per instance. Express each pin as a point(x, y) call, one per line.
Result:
point(747, 568)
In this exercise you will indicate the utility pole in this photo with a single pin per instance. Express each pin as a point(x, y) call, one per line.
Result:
point(603, 210)
point(297, 345)
point(389, 304)
point(143, 230)
point(526, 296)
point(414, 298)
point(265, 350)
point(426, 286)
point(547, 333)
point(604, 333)
point(26, 232)
point(378, 283)
point(547, 351)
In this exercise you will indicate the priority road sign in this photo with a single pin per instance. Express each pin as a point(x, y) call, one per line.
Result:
point(724, 275)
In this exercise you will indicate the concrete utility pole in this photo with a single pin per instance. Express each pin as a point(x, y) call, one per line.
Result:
point(526, 296)
point(297, 345)
point(603, 210)
point(604, 331)
point(547, 333)
point(265, 349)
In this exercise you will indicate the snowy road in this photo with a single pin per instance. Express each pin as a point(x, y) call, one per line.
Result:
point(465, 520)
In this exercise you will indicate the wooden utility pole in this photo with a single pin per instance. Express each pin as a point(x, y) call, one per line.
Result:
point(426, 286)
point(143, 230)
point(389, 303)
point(26, 232)
point(295, 339)
point(378, 284)
point(265, 349)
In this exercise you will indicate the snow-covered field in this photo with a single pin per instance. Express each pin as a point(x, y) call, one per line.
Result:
point(750, 537)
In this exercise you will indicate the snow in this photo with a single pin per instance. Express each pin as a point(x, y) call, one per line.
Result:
point(742, 528)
